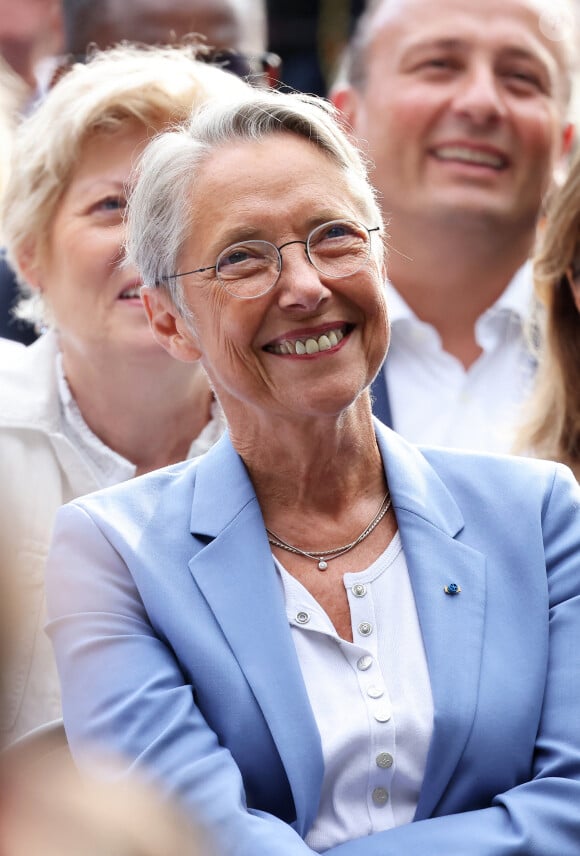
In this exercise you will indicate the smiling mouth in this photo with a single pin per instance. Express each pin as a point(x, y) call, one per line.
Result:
point(464, 154)
point(308, 345)
point(131, 293)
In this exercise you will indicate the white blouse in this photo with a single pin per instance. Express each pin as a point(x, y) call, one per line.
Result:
point(371, 699)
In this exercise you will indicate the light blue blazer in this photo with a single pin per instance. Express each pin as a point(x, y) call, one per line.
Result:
point(174, 650)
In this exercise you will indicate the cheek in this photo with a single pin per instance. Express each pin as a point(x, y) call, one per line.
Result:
point(224, 324)
point(541, 133)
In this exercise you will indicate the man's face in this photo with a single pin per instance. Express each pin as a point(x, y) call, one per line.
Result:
point(235, 24)
point(462, 109)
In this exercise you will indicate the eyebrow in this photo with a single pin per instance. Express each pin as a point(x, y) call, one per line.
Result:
point(99, 185)
point(237, 235)
point(452, 44)
point(446, 43)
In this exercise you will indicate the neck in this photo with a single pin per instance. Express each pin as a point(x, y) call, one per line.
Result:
point(148, 410)
point(313, 465)
point(452, 275)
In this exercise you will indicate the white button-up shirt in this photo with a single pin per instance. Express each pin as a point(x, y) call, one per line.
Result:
point(371, 699)
point(435, 401)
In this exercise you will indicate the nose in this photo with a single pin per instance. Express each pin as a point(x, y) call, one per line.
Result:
point(299, 285)
point(479, 98)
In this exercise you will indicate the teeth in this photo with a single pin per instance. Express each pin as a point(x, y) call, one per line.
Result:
point(310, 345)
point(131, 292)
point(470, 156)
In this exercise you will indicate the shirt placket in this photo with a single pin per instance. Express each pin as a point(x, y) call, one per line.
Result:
point(365, 661)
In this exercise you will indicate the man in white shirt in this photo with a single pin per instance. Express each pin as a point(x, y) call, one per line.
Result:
point(462, 106)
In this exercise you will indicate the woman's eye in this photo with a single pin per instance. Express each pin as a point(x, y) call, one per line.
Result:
point(336, 230)
point(111, 203)
point(235, 257)
point(337, 234)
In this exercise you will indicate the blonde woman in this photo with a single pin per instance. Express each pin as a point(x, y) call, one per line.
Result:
point(551, 427)
point(95, 400)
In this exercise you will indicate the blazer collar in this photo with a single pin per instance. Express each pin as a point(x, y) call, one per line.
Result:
point(223, 486)
point(222, 489)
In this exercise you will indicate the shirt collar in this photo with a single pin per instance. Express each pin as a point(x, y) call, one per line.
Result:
point(515, 299)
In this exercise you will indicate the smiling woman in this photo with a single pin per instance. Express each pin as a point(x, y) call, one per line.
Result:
point(96, 400)
point(309, 634)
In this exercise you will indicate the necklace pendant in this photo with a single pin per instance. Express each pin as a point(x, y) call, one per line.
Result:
point(322, 565)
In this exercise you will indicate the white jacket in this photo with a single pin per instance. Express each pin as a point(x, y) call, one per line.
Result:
point(40, 470)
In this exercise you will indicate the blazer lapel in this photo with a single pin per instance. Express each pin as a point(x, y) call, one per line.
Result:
point(452, 625)
point(236, 574)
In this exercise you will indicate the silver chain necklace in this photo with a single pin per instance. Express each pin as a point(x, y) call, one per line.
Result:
point(323, 557)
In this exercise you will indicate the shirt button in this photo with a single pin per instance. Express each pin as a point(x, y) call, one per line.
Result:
point(302, 617)
point(359, 590)
point(364, 663)
point(384, 760)
point(375, 692)
point(382, 714)
point(365, 629)
point(380, 796)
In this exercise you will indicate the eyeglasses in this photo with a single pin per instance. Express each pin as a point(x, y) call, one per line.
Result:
point(261, 68)
point(250, 269)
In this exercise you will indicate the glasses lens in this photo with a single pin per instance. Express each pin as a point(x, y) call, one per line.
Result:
point(339, 248)
point(249, 269)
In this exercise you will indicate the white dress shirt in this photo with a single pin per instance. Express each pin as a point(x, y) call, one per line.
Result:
point(435, 401)
point(371, 699)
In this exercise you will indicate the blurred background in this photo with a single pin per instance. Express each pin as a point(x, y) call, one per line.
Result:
point(310, 35)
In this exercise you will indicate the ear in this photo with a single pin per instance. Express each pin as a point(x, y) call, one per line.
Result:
point(168, 327)
point(562, 162)
point(346, 100)
point(30, 269)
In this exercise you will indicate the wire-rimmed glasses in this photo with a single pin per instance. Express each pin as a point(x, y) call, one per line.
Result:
point(250, 269)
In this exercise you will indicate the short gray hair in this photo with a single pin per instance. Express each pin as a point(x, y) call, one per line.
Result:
point(160, 216)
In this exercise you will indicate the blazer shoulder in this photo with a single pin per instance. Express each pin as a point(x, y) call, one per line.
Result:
point(140, 498)
point(503, 474)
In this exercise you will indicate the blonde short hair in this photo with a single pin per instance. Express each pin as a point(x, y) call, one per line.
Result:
point(156, 86)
